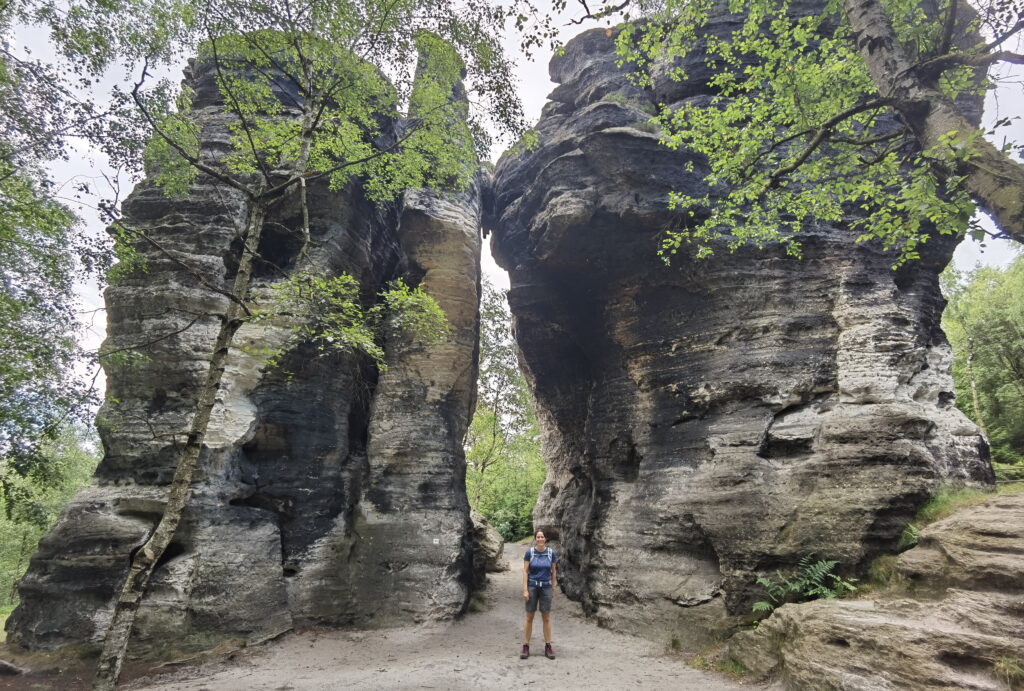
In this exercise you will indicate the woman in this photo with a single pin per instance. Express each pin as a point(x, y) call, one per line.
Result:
point(540, 578)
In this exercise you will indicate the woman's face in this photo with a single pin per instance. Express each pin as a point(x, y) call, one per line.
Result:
point(541, 540)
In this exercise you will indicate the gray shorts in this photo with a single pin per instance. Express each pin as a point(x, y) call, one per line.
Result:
point(539, 596)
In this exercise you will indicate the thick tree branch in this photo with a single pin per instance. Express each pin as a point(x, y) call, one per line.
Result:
point(995, 181)
point(946, 42)
point(931, 69)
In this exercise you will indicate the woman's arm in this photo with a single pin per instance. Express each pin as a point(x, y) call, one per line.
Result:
point(554, 577)
point(526, 571)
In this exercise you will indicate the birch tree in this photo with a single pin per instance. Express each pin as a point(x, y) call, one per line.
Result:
point(310, 87)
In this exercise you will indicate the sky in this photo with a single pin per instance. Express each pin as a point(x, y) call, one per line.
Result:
point(534, 85)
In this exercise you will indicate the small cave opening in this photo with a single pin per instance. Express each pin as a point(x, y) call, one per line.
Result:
point(173, 551)
point(280, 244)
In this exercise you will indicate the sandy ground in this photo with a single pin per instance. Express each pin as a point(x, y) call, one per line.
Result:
point(479, 652)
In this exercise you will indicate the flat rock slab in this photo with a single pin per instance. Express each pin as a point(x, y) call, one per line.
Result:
point(479, 652)
point(962, 616)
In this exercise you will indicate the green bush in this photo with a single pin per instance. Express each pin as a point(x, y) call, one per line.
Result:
point(32, 504)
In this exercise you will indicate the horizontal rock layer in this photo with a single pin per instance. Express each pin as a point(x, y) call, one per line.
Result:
point(711, 420)
point(954, 621)
point(325, 494)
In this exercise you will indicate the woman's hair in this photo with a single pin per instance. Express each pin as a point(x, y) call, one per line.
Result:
point(538, 532)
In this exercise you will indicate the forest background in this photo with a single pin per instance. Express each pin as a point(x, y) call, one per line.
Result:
point(504, 464)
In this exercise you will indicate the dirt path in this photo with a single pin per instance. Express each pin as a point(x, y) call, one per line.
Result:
point(479, 652)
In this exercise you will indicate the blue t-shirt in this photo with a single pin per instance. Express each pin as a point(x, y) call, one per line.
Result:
point(540, 564)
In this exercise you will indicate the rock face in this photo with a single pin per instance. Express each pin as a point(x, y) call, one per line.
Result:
point(715, 419)
point(962, 630)
point(489, 546)
point(326, 494)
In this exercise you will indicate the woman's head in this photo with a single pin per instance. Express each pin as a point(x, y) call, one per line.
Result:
point(539, 538)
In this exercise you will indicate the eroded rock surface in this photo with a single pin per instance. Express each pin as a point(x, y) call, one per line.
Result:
point(325, 494)
point(489, 546)
point(711, 420)
point(963, 625)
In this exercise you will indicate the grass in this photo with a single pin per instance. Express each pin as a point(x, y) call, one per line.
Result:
point(948, 501)
point(1011, 671)
point(882, 572)
point(713, 659)
point(1005, 471)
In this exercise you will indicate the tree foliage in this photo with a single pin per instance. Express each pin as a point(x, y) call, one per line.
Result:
point(330, 316)
point(985, 325)
point(32, 503)
point(42, 253)
point(504, 468)
point(846, 111)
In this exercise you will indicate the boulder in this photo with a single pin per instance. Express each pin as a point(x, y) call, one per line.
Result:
point(488, 546)
point(956, 622)
point(9, 670)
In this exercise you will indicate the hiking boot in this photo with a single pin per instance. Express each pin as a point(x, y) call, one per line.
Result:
point(526, 652)
point(548, 652)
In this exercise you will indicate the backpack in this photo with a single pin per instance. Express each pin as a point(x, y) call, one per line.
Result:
point(550, 555)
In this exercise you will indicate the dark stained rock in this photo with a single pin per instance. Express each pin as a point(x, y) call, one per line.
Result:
point(711, 420)
point(326, 493)
point(7, 669)
point(957, 618)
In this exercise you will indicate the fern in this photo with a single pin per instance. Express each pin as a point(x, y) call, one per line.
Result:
point(813, 580)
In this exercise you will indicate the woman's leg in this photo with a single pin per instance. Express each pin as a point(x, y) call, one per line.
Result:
point(528, 630)
point(547, 626)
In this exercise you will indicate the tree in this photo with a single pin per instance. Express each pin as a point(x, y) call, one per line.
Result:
point(42, 253)
point(853, 111)
point(504, 468)
point(985, 324)
point(33, 502)
point(312, 89)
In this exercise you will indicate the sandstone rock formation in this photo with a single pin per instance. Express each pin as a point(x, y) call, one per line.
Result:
point(326, 494)
point(711, 420)
point(489, 546)
point(963, 629)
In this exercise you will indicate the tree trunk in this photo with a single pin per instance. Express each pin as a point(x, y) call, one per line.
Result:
point(23, 553)
point(994, 180)
point(975, 399)
point(115, 644)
